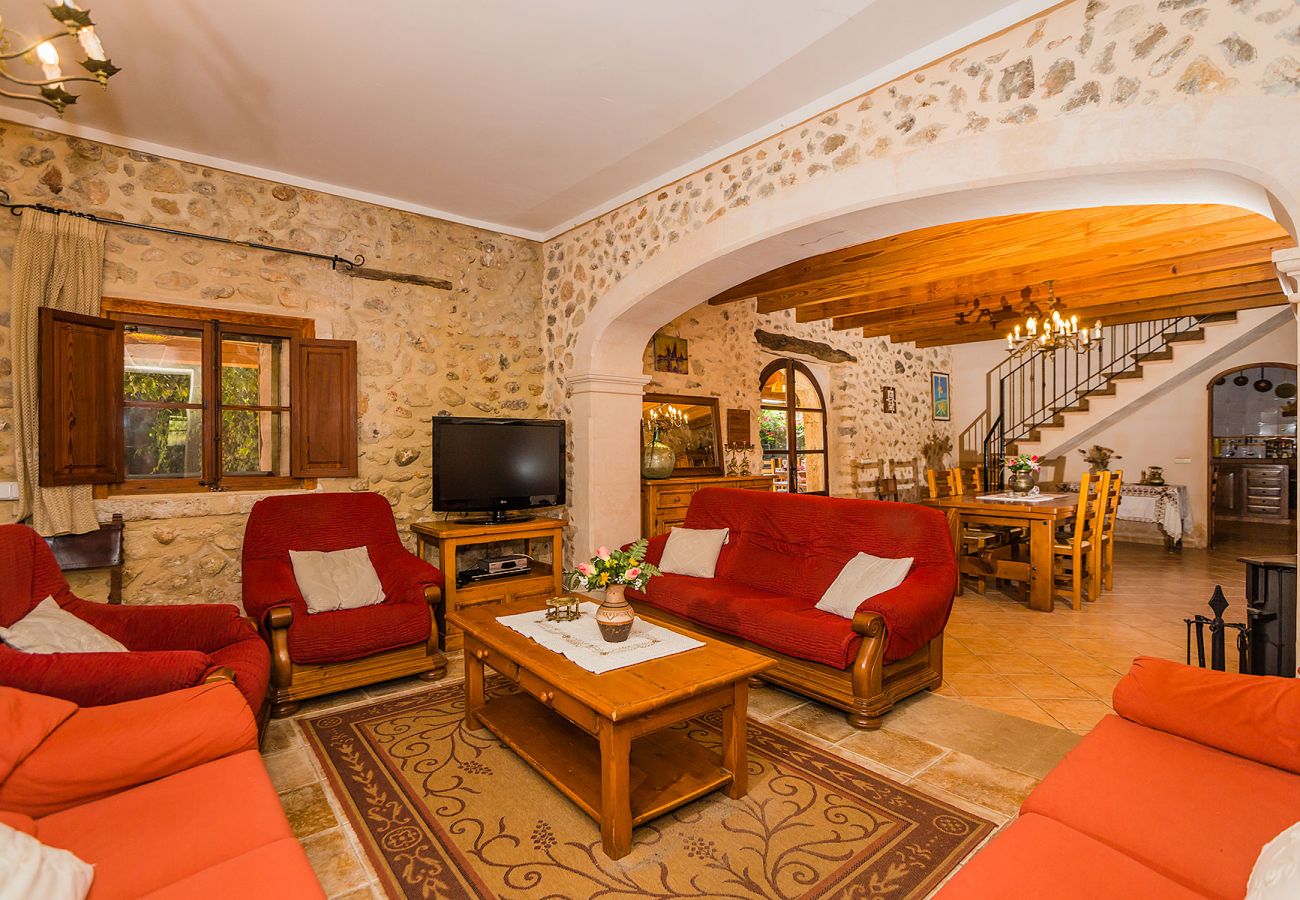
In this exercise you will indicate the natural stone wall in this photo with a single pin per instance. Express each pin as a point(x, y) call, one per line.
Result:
point(725, 362)
point(471, 350)
point(1078, 59)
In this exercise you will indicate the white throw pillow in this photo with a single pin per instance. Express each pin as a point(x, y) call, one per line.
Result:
point(1276, 875)
point(863, 576)
point(693, 551)
point(49, 628)
point(30, 869)
point(339, 579)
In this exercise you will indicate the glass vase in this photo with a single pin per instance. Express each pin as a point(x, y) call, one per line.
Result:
point(657, 460)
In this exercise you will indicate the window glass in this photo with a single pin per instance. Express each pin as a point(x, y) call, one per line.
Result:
point(254, 371)
point(163, 442)
point(254, 442)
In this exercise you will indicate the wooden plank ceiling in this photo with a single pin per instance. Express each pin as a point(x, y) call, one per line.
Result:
point(973, 281)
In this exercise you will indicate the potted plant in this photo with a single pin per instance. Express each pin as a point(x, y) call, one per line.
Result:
point(1099, 457)
point(1023, 468)
point(614, 571)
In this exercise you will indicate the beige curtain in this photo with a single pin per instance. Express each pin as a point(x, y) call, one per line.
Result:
point(59, 263)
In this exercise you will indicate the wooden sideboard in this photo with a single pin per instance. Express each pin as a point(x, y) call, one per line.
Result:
point(664, 500)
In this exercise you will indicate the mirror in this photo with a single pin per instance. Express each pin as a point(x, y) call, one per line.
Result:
point(689, 425)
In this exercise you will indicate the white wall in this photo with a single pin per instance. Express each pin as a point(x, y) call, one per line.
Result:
point(970, 366)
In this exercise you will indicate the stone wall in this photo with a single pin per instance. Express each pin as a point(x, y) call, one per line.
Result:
point(473, 350)
point(1078, 59)
point(725, 362)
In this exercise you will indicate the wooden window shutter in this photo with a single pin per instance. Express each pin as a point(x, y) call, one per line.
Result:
point(324, 409)
point(80, 399)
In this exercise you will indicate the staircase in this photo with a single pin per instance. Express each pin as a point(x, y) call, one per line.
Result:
point(1047, 402)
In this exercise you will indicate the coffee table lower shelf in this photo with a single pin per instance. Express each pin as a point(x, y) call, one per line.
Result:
point(667, 768)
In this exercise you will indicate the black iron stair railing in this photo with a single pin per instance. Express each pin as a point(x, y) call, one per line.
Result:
point(1038, 388)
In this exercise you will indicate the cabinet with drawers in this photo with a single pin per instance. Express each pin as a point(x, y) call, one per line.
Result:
point(1252, 492)
point(664, 500)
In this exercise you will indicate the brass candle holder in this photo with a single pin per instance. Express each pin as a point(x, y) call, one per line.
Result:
point(562, 609)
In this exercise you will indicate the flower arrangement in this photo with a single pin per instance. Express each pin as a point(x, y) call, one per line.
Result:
point(1024, 462)
point(1099, 457)
point(613, 567)
point(935, 448)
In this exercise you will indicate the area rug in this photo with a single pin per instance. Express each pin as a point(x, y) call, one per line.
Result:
point(447, 812)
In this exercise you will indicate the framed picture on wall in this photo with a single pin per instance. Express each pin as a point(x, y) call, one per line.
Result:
point(671, 355)
point(940, 396)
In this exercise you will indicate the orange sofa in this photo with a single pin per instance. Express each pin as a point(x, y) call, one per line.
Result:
point(166, 796)
point(1174, 797)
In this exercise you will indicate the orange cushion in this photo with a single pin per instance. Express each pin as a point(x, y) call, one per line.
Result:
point(1039, 857)
point(19, 822)
point(278, 871)
point(103, 749)
point(1196, 815)
point(159, 833)
point(1254, 716)
point(28, 719)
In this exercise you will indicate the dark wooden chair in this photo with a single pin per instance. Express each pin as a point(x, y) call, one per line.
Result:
point(100, 549)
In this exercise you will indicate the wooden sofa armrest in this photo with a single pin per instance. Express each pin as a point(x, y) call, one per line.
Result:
point(433, 596)
point(220, 673)
point(278, 620)
point(869, 670)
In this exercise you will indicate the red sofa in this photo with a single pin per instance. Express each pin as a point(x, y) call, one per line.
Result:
point(172, 647)
point(165, 796)
point(783, 551)
point(327, 652)
point(1173, 797)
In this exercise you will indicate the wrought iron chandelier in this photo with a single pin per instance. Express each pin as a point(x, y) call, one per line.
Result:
point(1053, 332)
point(52, 87)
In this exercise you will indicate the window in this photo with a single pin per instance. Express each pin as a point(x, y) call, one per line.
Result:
point(792, 405)
point(206, 399)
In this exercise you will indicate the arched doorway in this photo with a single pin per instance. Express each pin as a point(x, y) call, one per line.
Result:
point(1210, 157)
point(1251, 439)
point(792, 428)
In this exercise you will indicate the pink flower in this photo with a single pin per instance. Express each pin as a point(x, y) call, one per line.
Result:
point(633, 574)
point(585, 568)
point(603, 553)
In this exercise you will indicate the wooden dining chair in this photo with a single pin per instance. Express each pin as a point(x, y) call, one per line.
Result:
point(866, 477)
point(940, 483)
point(1077, 557)
point(1108, 529)
point(902, 472)
point(966, 480)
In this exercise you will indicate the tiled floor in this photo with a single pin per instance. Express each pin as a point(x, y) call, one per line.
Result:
point(1059, 668)
point(1018, 685)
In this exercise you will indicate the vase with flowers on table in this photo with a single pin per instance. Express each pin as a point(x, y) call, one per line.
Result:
point(614, 571)
point(1024, 473)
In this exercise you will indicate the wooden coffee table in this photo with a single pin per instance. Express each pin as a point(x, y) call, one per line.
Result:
point(604, 740)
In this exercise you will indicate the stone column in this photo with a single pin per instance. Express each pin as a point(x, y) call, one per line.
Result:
point(605, 496)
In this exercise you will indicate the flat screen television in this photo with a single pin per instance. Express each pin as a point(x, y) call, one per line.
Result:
point(497, 465)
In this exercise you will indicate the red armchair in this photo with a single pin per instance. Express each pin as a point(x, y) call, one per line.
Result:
point(172, 647)
point(326, 652)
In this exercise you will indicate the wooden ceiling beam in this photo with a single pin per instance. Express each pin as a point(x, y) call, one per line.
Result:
point(951, 336)
point(1049, 256)
point(957, 294)
point(1102, 235)
point(1153, 308)
point(1076, 229)
point(1075, 295)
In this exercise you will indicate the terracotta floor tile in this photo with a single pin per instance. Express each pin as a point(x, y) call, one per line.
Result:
point(977, 685)
point(1013, 664)
point(1042, 687)
point(1022, 707)
point(1100, 686)
point(1076, 714)
point(966, 665)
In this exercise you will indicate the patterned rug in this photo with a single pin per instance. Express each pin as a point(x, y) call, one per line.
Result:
point(446, 812)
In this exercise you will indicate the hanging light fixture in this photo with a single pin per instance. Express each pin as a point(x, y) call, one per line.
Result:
point(51, 87)
point(1053, 332)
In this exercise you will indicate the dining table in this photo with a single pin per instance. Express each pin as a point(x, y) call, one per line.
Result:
point(1040, 517)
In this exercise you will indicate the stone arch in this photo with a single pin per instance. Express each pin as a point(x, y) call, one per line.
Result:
point(1205, 150)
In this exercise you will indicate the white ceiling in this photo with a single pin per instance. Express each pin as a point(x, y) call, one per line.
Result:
point(527, 117)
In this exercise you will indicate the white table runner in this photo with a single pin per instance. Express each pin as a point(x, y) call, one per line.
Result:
point(580, 642)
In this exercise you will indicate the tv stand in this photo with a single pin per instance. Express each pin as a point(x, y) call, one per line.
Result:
point(544, 581)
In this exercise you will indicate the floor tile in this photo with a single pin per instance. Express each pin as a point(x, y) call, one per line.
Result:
point(772, 701)
point(900, 752)
point(981, 685)
point(308, 810)
point(988, 785)
point(290, 769)
point(1040, 687)
point(335, 861)
point(1076, 714)
point(816, 719)
point(1023, 708)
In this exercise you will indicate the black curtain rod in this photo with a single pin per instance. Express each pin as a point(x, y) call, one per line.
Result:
point(334, 261)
